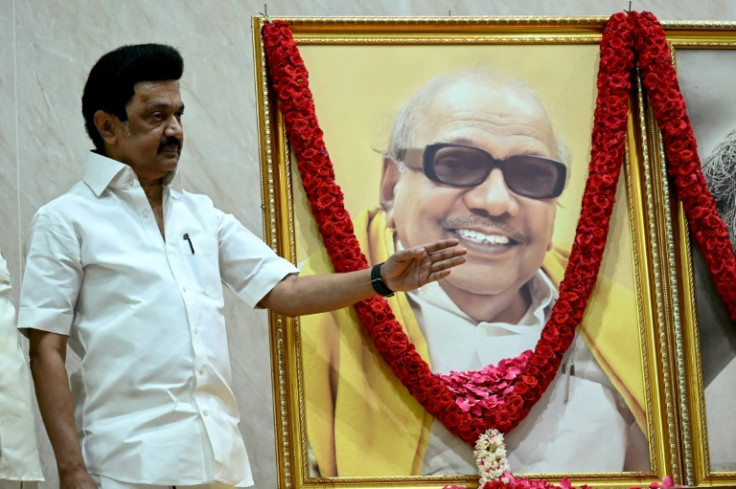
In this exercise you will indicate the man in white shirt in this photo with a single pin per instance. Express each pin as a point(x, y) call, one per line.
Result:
point(473, 157)
point(129, 272)
point(19, 461)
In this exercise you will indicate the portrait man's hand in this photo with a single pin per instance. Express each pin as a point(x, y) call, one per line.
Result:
point(411, 268)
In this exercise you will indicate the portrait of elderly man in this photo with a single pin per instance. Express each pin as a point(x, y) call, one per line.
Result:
point(717, 333)
point(473, 156)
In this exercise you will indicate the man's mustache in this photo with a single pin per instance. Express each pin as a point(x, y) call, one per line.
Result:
point(170, 141)
point(487, 223)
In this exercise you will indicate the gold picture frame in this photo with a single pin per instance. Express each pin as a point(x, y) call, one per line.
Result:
point(355, 63)
point(704, 334)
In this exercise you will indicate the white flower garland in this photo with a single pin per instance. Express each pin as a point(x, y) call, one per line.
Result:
point(490, 456)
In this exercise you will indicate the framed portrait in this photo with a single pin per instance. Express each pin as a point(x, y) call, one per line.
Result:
point(427, 123)
point(705, 57)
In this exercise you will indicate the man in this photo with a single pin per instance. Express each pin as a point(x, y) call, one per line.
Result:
point(473, 156)
point(717, 337)
point(128, 271)
point(19, 461)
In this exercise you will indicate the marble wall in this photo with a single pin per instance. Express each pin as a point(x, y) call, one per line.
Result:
point(46, 50)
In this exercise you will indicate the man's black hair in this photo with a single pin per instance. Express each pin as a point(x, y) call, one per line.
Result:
point(110, 83)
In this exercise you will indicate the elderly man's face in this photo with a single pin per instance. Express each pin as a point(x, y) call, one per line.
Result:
point(506, 234)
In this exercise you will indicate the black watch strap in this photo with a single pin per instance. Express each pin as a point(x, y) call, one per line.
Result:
point(377, 282)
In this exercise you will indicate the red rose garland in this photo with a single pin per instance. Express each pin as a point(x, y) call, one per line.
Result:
point(437, 393)
point(607, 155)
point(683, 165)
point(289, 77)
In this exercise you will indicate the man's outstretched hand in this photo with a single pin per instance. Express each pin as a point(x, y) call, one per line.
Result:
point(411, 268)
point(404, 270)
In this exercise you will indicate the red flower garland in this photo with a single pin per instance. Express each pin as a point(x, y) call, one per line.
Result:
point(290, 83)
point(683, 163)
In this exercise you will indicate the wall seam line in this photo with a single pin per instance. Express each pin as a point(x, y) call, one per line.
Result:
point(17, 140)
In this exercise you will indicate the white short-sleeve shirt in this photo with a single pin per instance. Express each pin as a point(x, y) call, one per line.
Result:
point(19, 459)
point(153, 398)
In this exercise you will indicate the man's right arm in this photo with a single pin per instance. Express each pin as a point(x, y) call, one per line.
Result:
point(48, 355)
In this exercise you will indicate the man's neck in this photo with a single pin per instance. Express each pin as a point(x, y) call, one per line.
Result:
point(154, 190)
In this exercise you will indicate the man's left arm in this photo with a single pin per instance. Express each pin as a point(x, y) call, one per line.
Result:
point(404, 270)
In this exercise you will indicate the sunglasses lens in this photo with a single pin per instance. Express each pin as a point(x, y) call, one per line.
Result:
point(460, 166)
point(533, 177)
point(466, 166)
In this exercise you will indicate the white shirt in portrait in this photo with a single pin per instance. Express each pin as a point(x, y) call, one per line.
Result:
point(562, 431)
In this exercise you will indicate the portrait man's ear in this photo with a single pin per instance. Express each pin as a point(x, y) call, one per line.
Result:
point(390, 175)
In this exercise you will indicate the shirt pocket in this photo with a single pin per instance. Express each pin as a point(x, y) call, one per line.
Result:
point(202, 257)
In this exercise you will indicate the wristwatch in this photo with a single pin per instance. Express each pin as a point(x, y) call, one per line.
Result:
point(377, 282)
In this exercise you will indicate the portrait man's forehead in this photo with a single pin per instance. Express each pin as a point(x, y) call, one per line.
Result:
point(458, 91)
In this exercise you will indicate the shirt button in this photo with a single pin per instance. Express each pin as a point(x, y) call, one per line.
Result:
point(146, 213)
point(196, 330)
point(205, 412)
point(183, 288)
point(200, 370)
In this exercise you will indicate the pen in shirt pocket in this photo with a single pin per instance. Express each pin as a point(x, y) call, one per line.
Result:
point(569, 371)
point(189, 240)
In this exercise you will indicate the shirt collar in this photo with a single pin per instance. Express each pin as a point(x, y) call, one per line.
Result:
point(102, 172)
point(541, 289)
point(456, 342)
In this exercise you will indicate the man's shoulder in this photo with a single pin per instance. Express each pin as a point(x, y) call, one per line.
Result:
point(68, 203)
point(198, 204)
point(62, 215)
point(193, 197)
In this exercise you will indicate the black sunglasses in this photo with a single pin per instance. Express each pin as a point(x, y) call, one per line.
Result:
point(461, 165)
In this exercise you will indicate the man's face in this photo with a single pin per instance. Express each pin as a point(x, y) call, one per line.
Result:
point(506, 234)
point(150, 141)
